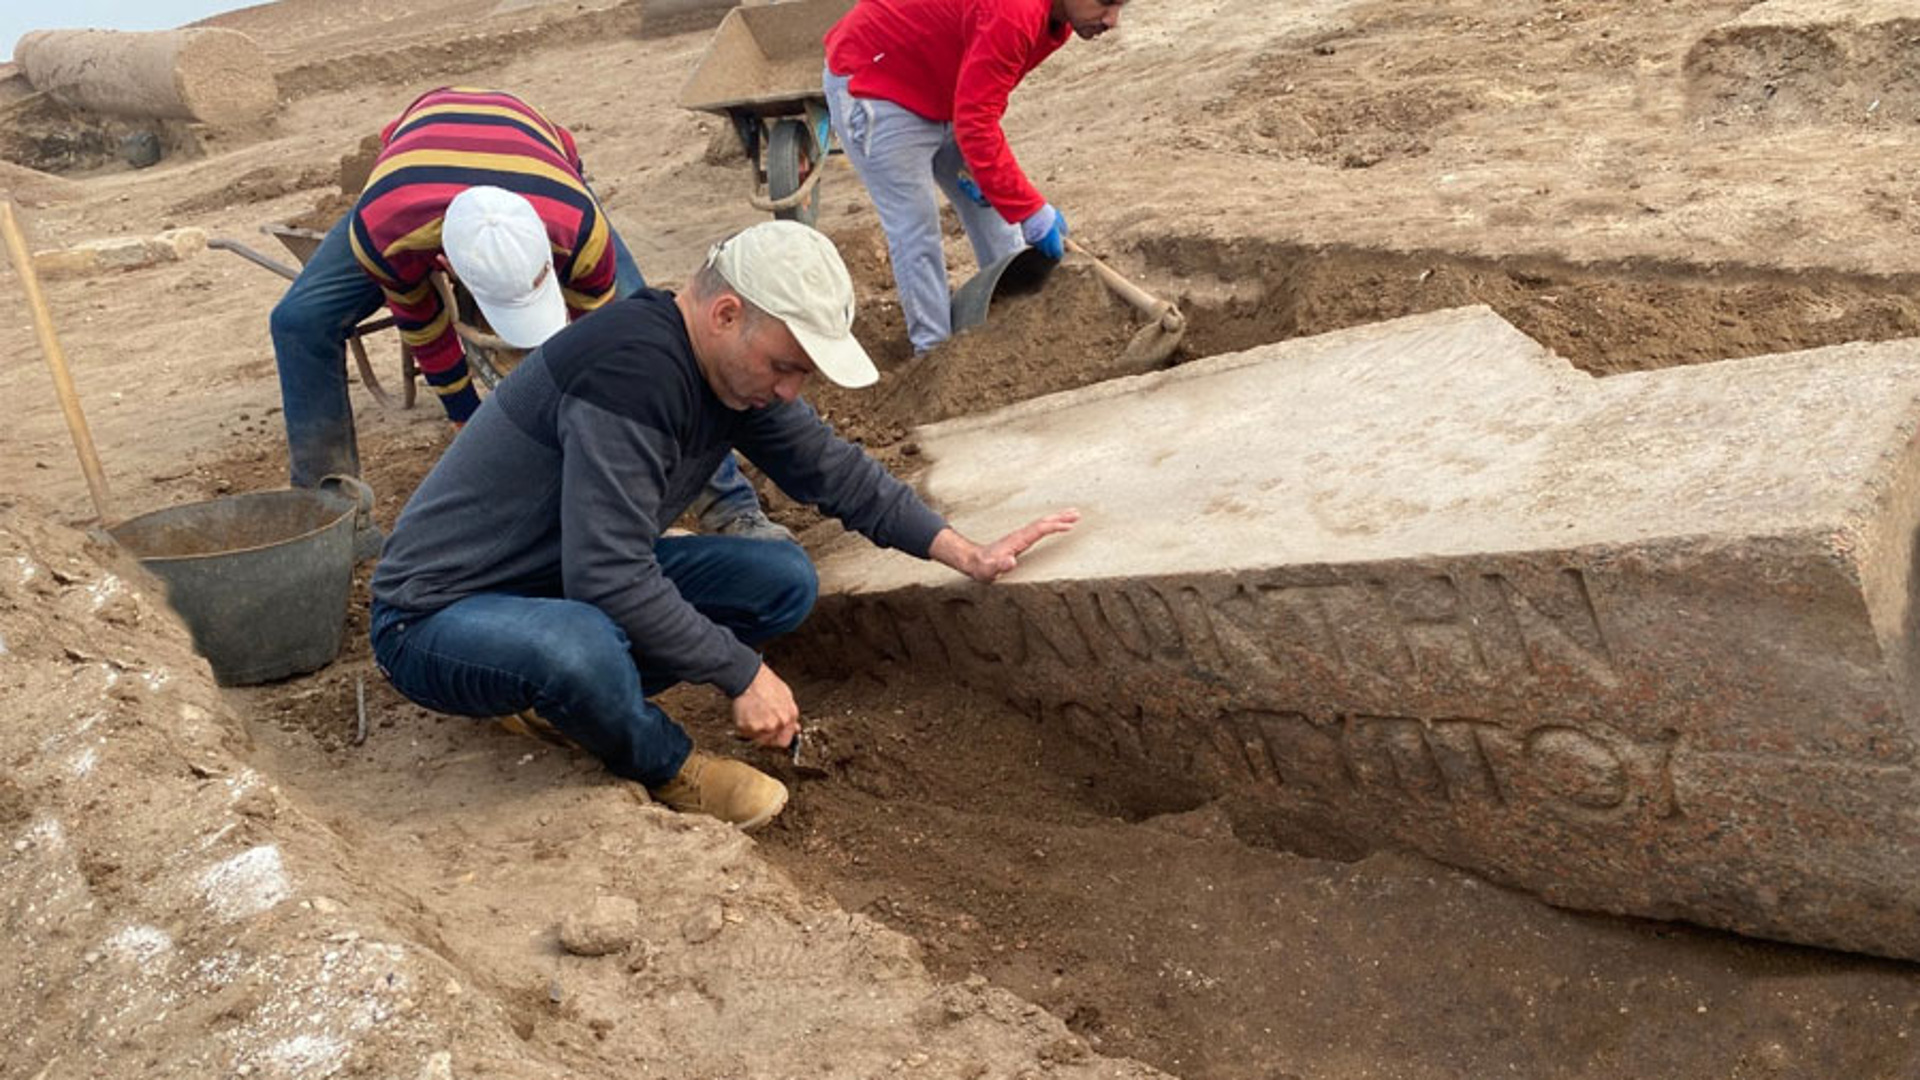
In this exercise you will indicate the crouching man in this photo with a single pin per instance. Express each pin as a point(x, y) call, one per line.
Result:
point(530, 569)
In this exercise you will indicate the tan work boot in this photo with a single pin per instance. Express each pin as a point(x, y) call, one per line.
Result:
point(534, 726)
point(730, 790)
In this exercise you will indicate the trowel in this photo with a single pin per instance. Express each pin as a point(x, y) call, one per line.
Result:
point(808, 756)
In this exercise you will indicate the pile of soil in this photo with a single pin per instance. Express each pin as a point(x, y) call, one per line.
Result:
point(1800, 62)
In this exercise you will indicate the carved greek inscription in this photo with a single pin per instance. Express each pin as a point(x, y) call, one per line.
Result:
point(1476, 631)
point(1576, 767)
point(1457, 761)
point(918, 635)
point(1366, 636)
point(1123, 623)
point(1431, 632)
point(870, 627)
point(1547, 627)
point(1044, 629)
point(1437, 626)
point(1250, 649)
point(1392, 752)
point(1049, 631)
point(972, 633)
point(1460, 763)
point(1289, 632)
point(1192, 614)
point(1121, 733)
point(1243, 747)
point(1459, 748)
point(1289, 748)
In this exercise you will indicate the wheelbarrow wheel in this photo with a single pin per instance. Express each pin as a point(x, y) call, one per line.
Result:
point(789, 161)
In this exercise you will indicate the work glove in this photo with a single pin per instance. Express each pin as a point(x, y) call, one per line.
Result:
point(1047, 231)
point(972, 190)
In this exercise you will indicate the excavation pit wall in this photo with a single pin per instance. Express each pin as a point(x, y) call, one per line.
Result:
point(1606, 318)
point(1637, 645)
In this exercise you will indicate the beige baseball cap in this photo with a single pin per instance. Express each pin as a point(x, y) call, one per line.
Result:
point(795, 274)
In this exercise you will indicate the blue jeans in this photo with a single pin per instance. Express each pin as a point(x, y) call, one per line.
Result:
point(903, 159)
point(494, 654)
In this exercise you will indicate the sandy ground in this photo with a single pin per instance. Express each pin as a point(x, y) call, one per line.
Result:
point(1620, 179)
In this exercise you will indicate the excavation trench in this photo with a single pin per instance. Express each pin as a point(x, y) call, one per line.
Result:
point(1180, 924)
point(1164, 920)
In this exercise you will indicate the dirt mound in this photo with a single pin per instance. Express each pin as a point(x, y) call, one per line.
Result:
point(1066, 335)
point(162, 889)
point(157, 886)
point(30, 186)
point(420, 60)
point(1069, 333)
point(1360, 127)
point(1807, 63)
point(254, 186)
point(49, 137)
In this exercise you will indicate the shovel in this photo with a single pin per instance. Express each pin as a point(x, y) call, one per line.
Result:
point(1155, 341)
point(1025, 270)
point(1021, 272)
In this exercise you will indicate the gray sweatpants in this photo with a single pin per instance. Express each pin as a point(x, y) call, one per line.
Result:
point(902, 157)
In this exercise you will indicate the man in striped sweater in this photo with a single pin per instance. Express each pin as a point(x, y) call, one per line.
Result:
point(448, 141)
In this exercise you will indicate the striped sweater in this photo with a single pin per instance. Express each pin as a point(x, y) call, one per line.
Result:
point(448, 140)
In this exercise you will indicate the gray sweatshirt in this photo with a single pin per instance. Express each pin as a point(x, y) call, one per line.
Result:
point(569, 472)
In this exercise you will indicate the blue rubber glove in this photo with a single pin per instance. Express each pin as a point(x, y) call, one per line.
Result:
point(1047, 231)
point(972, 190)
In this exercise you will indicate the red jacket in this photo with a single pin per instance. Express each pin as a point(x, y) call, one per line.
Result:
point(953, 60)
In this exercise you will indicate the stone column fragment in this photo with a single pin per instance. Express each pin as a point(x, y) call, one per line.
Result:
point(1641, 645)
point(205, 73)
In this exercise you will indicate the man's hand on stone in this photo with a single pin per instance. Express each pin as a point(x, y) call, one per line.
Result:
point(765, 712)
point(988, 563)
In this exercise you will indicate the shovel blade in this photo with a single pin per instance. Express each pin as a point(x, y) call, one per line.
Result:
point(1021, 272)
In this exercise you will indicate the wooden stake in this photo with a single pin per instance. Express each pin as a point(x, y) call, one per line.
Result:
point(56, 360)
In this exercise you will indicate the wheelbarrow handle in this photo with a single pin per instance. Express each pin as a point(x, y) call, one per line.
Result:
point(254, 257)
point(799, 196)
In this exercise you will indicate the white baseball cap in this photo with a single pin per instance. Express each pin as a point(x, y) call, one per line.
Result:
point(498, 247)
point(795, 275)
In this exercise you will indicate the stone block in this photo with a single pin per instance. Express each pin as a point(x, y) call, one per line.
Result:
point(66, 262)
point(1643, 644)
point(120, 253)
point(181, 244)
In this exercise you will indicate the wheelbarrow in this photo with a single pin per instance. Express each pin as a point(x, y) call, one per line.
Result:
point(489, 357)
point(762, 71)
point(301, 244)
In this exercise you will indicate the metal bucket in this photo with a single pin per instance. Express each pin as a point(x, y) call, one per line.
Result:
point(261, 580)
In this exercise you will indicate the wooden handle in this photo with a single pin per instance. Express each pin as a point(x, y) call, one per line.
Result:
point(1126, 290)
point(56, 360)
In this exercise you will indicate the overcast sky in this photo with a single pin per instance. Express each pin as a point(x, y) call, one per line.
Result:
point(19, 16)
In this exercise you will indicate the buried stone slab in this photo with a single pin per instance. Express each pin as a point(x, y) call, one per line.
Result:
point(1641, 645)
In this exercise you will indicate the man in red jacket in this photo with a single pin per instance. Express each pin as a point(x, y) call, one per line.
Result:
point(916, 89)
